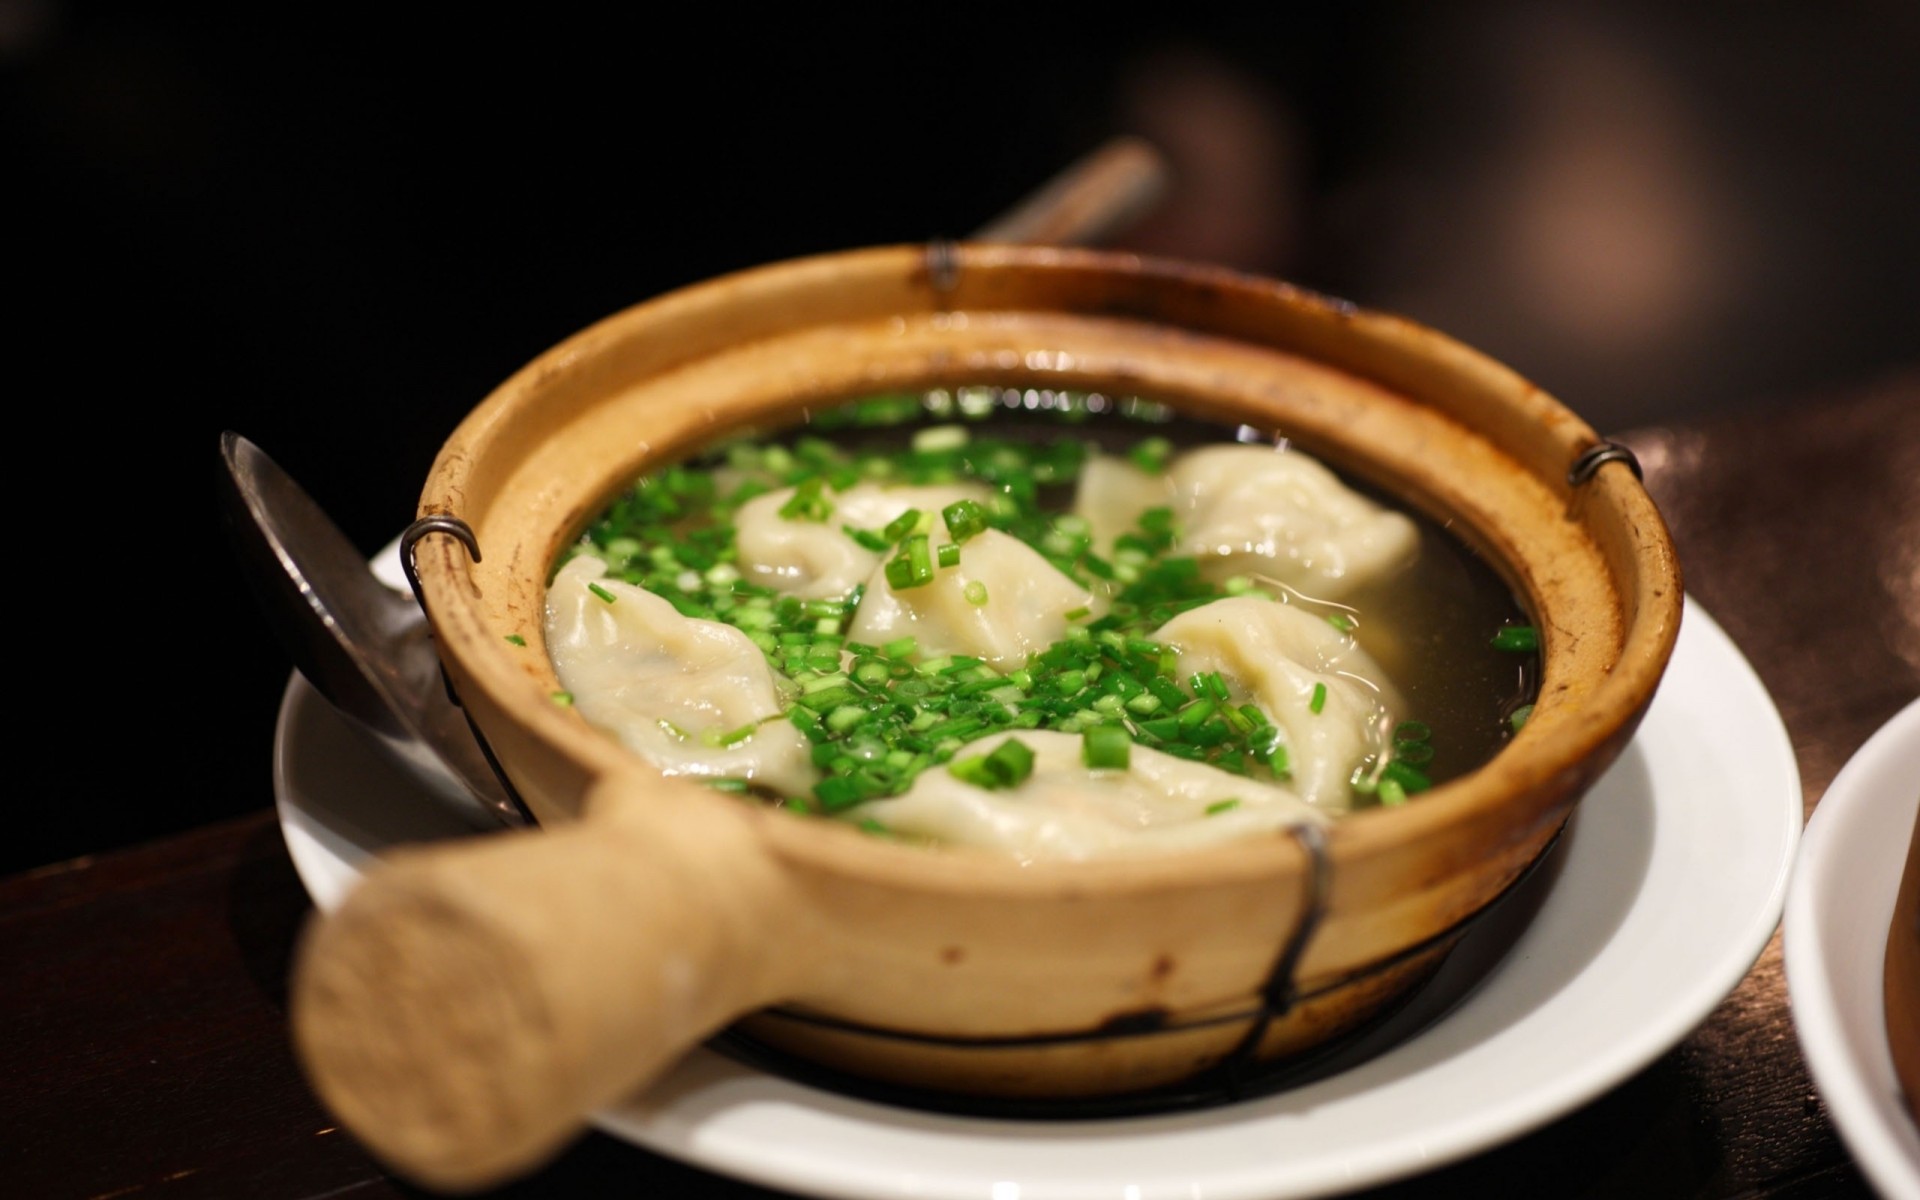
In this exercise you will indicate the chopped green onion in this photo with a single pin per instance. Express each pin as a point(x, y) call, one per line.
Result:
point(1151, 454)
point(846, 718)
point(1406, 776)
point(1220, 806)
point(1521, 638)
point(836, 792)
point(601, 592)
point(808, 502)
point(1319, 700)
point(1195, 714)
point(516, 639)
point(1414, 753)
point(731, 737)
point(975, 592)
point(902, 525)
point(866, 538)
point(913, 566)
point(563, 699)
point(1519, 716)
point(1007, 765)
point(1106, 747)
point(948, 555)
point(964, 518)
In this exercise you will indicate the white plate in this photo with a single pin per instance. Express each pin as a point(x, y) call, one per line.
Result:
point(1660, 897)
point(1839, 910)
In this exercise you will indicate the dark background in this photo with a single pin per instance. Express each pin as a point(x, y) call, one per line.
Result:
point(335, 231)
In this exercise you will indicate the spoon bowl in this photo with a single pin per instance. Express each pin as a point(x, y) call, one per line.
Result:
point(363, 646)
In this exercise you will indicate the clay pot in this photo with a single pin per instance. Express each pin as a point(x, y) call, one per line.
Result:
point(469, 1004)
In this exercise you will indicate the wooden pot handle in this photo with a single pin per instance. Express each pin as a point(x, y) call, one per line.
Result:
point(469, 1004)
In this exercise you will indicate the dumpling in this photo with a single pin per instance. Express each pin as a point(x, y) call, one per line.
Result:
point(671, 687)
point(1283, 518)
point(1111, 495)
point(1066, 810)
point(1024, 607)
point(818, 560)
point(1277, 656)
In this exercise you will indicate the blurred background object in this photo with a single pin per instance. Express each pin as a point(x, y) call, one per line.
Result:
point(335, 231)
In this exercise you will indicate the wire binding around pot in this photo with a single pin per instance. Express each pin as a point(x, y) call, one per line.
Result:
point(943, 266)
point(462, 532)
point(1238, 1077)
point(1599, 455)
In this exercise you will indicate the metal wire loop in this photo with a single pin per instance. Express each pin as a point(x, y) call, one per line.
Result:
point(460, 530)
point(1598, 455)
point(943, 265)
point(420, 529)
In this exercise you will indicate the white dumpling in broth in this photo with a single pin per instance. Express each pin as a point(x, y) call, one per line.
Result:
point(1065, 810)
point(1284, 519)
point(669, 686)
point(1024, 608)
point(1111, 495)
point(818, 560)
point(1276, 656)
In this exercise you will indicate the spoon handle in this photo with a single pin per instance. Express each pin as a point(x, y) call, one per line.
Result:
point(1090, 200)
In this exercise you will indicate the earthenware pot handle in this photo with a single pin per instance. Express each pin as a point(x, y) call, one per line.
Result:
point(469, 1004)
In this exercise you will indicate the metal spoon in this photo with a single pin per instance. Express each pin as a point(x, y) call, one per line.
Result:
point(367, 648)
point(362, 645)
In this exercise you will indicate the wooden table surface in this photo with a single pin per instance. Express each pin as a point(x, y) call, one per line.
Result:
point(145, 1049)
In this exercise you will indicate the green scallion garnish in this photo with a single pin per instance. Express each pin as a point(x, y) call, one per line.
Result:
point(913, 566)
point(902, 525)
point(1007, 765)
point(1518, 638)
point(1106, 747)
point(808, 502)
point(867, 539)
point(1151, 454)
point(964, 519)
